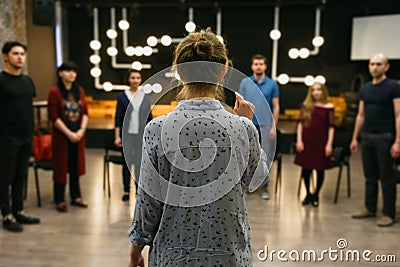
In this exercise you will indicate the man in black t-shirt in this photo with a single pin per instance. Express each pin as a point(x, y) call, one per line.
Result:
point(16, 131)
point(379, 119)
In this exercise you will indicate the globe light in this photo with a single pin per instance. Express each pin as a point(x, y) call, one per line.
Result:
point(318, 41)
point(294, 53)
point(152, 41)
point(95, 72)
point(309, 80)
point(166, 40)
point(147, 88)
point(320, 79)
point(112, 51)
point(123, 24)
point(157, 88)
point(147, 51)
point(219, 37)
point(283, 78)
point(275, 34)
point(111, 33)
point(94, 59)
point(130, 50)
point(304, 53)
point(95, 45)
point(136, 65)
point(107, 86)
point(139, 51)
point(190, 26)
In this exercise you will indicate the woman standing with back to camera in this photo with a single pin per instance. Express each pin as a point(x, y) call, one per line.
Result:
point(315, 131)
point(189, 155)
point(68, 113)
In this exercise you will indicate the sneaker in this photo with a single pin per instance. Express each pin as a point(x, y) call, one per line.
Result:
point(385, 221)
point(24, 218)
point(11, 224)
point(315, 201)
point(363, 214)
point(265, 195)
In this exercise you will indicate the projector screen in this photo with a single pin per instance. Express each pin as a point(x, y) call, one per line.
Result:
point(375, 34)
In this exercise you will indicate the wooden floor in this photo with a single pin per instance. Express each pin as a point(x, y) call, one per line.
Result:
point(98, 236)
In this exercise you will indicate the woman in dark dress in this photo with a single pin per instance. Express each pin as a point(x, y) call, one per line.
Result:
point(315, 131)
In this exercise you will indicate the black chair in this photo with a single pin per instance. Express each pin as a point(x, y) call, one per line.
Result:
point(110, 157)
point(46, 165)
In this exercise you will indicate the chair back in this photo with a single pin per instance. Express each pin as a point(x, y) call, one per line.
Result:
point(109, 138)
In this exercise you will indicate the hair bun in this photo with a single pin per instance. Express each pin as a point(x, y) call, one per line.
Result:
point(203, 48)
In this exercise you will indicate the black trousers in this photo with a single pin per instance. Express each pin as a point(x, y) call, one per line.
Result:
point(14, 162)
point(74, 187)
point(378, 165)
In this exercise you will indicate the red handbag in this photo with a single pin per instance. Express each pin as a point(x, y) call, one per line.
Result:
point(42, 149)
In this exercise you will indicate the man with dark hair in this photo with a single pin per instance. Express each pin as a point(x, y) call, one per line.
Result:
point(378, 120)
point(16, 132)
point(251, 88)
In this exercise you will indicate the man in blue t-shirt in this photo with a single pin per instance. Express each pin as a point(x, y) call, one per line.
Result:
point(378, 120)
point(263, 92)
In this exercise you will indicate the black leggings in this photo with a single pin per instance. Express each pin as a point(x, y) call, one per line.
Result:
point(306, 174)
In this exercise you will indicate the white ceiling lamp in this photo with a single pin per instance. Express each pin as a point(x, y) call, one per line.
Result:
point(139, 51)
point(220, 38)
point(304, 53)
point(123, 24)
point(318, 41)
point(136, 65)
point(111, 33)
point(166, 40)
point(95, 72)
point(130, 51)
point(95, 45)
point(112, 51)
point(309, 80)
point(283, 78)
point(147, 51)
point(107, 86)
point(152, 41)
point(320, 79)
point(147, 88)
point(275, 34)
point(190, 26)
point(294, 53)
point(94, 59)
point(157, 88)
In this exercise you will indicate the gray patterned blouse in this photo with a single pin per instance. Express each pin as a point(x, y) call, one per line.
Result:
point(190, 208)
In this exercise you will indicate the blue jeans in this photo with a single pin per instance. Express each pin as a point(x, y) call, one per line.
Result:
point(378, 165)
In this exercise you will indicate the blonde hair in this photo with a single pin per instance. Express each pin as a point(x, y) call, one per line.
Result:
point(309, 102)
point(201, 46)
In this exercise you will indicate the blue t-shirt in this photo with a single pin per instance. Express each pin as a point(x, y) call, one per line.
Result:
point(378, 106)
point(261, 95)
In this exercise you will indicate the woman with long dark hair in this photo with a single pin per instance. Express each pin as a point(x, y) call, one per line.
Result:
point(68, 113)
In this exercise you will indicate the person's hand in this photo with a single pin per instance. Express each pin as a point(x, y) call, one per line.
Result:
point(137, 262)
point(395, 150)
point(299, 147)
point(354, 146)
point(136, 257)
point(73, 137)
point(272, 133)
point(243, 108)
point(328, 151)
point(81, 133)
point(118, 141)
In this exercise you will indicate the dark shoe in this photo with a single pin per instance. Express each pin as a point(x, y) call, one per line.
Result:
point(24, 218)
point(79, 203)
point(62, 207)
point(315, 201)
point(363, 214)
point(307, 200)
point(125, 197)
point(11, 224)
